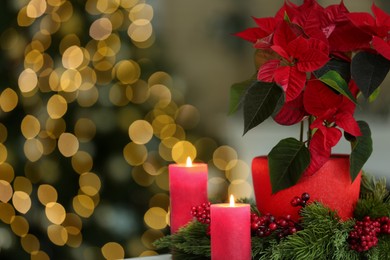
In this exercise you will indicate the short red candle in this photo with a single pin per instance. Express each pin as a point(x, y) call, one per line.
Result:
point(230, 231)
point(188, 188)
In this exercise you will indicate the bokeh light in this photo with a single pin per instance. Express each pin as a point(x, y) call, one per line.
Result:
point(3, 133)
point(82, 162)
point(100, 29)
point(140, 132)
point(57, 234)
point(36, 8)
point(68, 144)
point(113, 251)
point(3, 153)
point(225, 157)
point(155, 218)
point(8, 100)
point(72, 57)
point(30, 127)
point(19, 226)
point(47, 194)
point(135, 154)
point(7, 213)
point(28, 80)
point(56, 106)
point(90, 183)
point(55, 212)
point(5, 191)
point(83, 205)
point(183, 149)
point(30, 244)
point(21, 201)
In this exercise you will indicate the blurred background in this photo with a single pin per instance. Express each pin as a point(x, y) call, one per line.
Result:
point(97, 97)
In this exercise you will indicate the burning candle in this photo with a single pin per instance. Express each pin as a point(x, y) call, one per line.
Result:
point(188, 187)
point(230, 231)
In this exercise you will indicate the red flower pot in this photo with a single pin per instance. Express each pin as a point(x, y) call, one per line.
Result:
point(330, 185)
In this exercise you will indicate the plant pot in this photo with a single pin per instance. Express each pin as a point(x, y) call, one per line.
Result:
point(330, 185)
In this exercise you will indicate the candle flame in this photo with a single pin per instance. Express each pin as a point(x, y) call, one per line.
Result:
point(231, 200)
point(189, 162)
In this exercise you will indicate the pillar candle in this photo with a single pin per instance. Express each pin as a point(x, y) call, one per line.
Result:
point(230, 231)
point(188, 188)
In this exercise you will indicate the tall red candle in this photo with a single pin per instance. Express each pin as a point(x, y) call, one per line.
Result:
point(230, 231)
point(188, 188)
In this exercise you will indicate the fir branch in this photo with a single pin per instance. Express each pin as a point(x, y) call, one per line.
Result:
point(366, 185)
point(372, 188)
point(371, 207)
point(323, 237)
point(383, 247)
point(260, 246)
point(381, 251)
point(271, 252)
point(374, 198)
point(190, 242)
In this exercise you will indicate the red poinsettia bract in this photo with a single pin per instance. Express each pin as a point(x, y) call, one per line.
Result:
point(331, 111)
point(378, 27)
point(299, 55)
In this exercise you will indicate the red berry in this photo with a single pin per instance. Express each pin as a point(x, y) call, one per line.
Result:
point(292, 230)
point(305, 196)
point(272, 226)
point(296, 201)
point(282, 223)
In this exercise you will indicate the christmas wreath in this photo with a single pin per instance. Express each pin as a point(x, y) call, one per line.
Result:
point(319, 233)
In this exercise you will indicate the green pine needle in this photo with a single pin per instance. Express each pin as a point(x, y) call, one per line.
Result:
point(190, 242)
point(373, 188)
point(374, 200)
point(323, 237)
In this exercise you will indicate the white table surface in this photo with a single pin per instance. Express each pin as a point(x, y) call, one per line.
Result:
point(156, 257)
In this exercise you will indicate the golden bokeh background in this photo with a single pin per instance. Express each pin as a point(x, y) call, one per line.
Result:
point(88, 125)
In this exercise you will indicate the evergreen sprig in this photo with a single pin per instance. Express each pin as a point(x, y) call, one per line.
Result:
point(189, 242)
point(323, 236)
point(374, 198)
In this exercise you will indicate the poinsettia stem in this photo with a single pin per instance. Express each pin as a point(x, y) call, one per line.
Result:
point(309, 131)
point(301, 131)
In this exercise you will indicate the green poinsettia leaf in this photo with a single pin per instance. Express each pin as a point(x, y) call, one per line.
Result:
point(341, 67)
point(369, 70)
point(287, 161)
point(361, 150)
point(237, 92)
point(260, 101)
point(374, 95)
point(334, 80)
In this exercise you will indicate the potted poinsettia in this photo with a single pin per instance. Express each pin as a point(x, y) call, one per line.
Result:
point(312, 65)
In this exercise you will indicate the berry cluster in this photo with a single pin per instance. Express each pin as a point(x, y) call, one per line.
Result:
point(365, 233)
point(266, 225)
point(202, 212)
point(300, 201)
point(385, 225)
point(282, 226)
